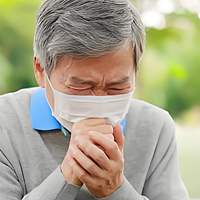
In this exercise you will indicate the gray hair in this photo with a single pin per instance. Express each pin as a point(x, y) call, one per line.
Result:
point(86, 28)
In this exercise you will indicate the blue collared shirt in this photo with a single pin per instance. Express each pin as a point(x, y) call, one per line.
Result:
point(41, 115)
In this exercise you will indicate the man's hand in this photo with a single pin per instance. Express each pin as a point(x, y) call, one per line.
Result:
point(82, 128)
point(101, 169)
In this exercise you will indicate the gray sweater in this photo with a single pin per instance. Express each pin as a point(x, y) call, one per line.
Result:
point(30, 168)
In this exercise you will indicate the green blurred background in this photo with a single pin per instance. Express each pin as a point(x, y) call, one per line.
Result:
point(169, 75)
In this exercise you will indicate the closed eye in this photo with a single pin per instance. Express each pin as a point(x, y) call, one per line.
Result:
point(79, 89)
point(116, 88)
point(116, 91)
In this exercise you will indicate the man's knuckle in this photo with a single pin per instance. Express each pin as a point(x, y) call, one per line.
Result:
point(70, 151)
point(90, 167)
point(113, 147)
point(100, 156)
point(110, 129)
point(122, 160)
point(87, 149)
point(120, 165)
point(82, 175)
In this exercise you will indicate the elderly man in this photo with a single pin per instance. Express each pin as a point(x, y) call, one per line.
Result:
point(63, 140)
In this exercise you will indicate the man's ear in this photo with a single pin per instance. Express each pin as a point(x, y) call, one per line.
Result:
point(39, 73)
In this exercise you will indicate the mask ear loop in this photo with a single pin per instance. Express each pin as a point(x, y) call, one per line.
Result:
point(49, 82)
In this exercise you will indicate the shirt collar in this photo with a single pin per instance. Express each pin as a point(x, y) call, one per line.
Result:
point(41, 115)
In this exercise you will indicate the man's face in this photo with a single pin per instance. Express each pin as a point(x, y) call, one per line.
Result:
point(110, 74)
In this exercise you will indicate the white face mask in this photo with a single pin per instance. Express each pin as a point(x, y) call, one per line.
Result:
point(73, 108)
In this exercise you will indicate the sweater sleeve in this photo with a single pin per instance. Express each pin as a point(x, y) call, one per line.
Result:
point(163, 179)
point(10, 187)
point(54, 187)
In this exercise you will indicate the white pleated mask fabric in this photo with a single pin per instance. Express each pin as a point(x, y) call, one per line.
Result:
point(69, 109)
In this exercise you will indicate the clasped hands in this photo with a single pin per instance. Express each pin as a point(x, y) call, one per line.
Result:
point(95, 157)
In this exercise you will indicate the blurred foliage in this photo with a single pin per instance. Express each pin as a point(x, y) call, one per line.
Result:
point(17, 24)
point(169, 72)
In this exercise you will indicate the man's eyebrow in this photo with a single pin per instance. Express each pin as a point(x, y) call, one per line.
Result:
point(79, 80)
point(118, 82)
